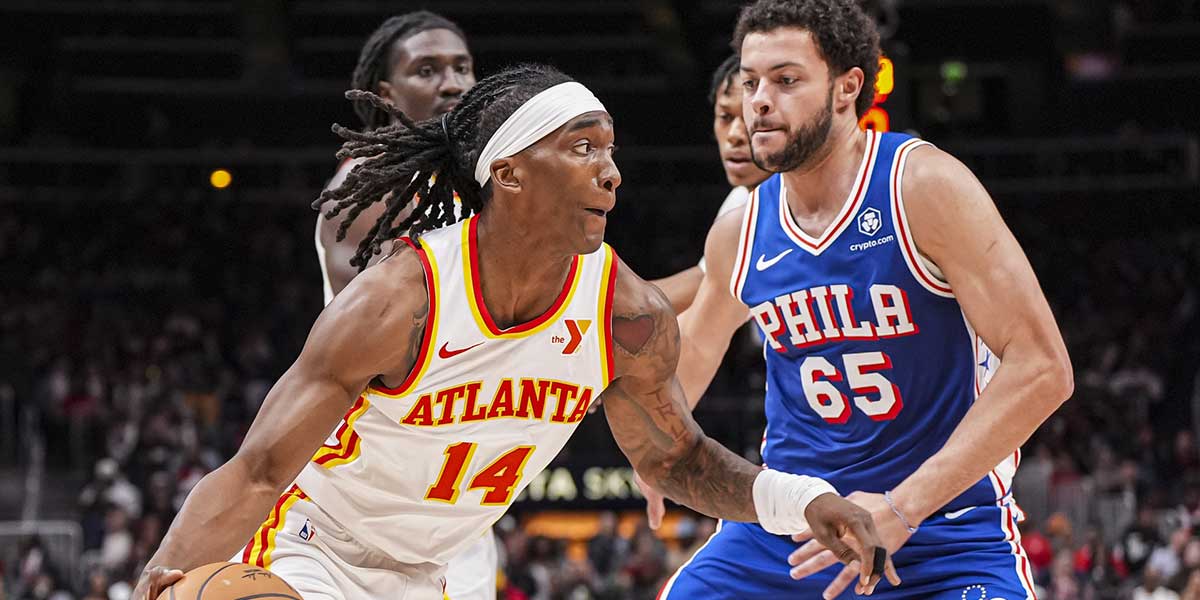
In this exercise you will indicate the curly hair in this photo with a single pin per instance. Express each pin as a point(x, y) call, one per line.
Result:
point(375, 60)
point(845, 35)
point(432, 159)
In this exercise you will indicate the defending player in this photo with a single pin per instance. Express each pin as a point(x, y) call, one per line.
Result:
point(420, 63)
point(452, 399)
point(887, 287)
point(733, 143)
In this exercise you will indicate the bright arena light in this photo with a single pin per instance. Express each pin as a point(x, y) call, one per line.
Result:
point(220, 179)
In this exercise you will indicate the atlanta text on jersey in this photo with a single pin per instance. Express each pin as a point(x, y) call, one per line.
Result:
point(444, 407)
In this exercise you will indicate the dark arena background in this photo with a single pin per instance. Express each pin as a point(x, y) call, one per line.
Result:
point(157, 269)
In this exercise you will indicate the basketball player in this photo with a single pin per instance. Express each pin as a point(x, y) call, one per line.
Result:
point(733, 143)
point(887, 288)
point(420, 63)
point(452, 399)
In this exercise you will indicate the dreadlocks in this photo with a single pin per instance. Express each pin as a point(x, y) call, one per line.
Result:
point(432, 159)
point(375, 60)
point(723, 76)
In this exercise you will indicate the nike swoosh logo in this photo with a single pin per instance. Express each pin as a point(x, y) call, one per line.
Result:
point(445, 353)
point(763, 264)
point(958, 513)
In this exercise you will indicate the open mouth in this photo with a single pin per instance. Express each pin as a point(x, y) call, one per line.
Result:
point(597, 212)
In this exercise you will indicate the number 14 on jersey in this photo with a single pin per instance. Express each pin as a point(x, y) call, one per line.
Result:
point(499, 478)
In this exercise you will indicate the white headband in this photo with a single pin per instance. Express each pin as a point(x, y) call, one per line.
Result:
point(543, 113)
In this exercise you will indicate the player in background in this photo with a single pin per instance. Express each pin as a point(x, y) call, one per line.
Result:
point(420, 63)
point(890, 293)
point(452, 399)
point(733, 143)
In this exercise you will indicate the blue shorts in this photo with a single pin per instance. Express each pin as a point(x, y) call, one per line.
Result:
point(976, 555)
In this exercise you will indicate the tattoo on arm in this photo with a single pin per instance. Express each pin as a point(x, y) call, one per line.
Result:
point(651, 420)
point(632, 332)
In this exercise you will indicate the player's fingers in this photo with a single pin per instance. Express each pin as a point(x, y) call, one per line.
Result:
point(160, 579)
point(655, 511)
point(866, 583)
point(869, 547)
point(890, 570)
point(816, 564)
point(806, 552)
point(803, 536)
point(841, 582)
point(840, 549)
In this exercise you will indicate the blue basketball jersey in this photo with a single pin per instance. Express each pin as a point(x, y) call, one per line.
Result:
point(871, 363)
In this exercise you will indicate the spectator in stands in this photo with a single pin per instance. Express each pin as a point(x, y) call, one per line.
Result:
point(1139, 541)
point(1152, 588)
point(606, 550)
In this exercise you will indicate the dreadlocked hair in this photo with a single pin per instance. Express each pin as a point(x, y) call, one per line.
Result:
point(375, 60)
point(430, 159)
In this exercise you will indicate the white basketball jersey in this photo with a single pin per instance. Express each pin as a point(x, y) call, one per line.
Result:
point(421, 470)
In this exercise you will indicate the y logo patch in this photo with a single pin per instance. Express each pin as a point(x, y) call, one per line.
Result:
point(577, 328)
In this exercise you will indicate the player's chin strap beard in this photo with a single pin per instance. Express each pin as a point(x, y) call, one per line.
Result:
point(548, 110)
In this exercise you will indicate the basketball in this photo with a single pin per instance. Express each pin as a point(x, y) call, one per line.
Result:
point(229, 581)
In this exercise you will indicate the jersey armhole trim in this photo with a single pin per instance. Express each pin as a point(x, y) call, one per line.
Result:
point(741, 270)
point(608, 285)
point(912, 256)
point(348, 447)
point(429, 265)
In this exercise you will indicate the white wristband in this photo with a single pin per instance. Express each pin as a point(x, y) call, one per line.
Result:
point(780, 500)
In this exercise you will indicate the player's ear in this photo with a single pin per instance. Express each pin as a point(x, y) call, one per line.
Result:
point(506, 175)
point(384, 91)
point(847, 87)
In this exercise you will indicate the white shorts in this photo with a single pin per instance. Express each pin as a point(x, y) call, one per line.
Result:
point(472, 574)
point(314, 554)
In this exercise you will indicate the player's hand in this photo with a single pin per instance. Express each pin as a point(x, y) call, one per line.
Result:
point(817, 554)
point(655, 509)
point(153, 581)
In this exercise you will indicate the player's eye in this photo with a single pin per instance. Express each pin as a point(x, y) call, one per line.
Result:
point(463, 69)
point(425, 71)
point(582, 147)
point(750, 84)
point(787, 80)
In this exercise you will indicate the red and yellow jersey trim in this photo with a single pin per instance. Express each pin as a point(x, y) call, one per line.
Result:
point(348, 445)
point(258, 551)
point(608, 284)
point(429, 263)
point(475, 295)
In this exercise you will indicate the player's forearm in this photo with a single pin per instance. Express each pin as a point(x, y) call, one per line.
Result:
point(708, 479)
point(699, 359)
point(681, 287)
point(1022, 395)
point(219, 516)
